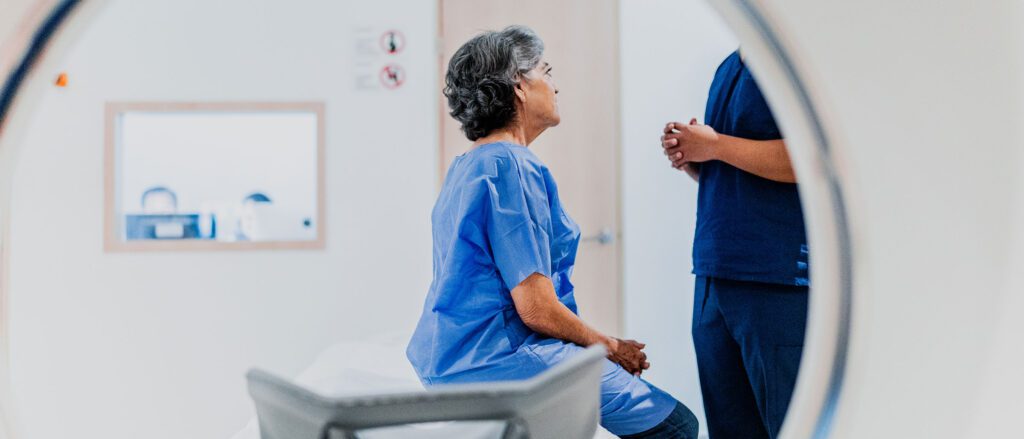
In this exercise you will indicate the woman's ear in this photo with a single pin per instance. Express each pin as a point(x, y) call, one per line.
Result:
point(520, 92)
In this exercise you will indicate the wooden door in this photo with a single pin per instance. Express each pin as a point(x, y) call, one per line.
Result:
point(581, 42)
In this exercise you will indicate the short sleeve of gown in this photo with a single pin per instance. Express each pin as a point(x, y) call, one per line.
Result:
point(519, 211)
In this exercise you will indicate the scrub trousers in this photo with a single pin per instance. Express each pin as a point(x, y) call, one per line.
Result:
point(748, 337)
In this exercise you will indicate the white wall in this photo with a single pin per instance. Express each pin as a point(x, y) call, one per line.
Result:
point(155, 345)
point(670, 50)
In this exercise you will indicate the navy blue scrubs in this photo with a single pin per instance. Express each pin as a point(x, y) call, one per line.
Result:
point(750, 258)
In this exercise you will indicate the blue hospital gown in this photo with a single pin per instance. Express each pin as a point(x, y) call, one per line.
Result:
point(497, 221)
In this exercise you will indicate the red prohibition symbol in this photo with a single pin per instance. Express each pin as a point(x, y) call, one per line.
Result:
point(392, 76)
point(392, 42)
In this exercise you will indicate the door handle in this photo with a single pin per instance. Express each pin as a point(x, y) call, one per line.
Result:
point(604, 237)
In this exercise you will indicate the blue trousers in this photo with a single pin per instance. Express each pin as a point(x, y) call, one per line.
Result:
point(748, 337)
point(680, 424)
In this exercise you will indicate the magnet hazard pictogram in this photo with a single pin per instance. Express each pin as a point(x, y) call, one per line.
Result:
point(392, 42)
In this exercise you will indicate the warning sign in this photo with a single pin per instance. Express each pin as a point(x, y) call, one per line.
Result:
point(392, 76)
point(378, 58)
point(392, 42)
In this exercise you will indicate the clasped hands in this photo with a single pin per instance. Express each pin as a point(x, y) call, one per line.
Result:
point(627, 353)
point(686, 144)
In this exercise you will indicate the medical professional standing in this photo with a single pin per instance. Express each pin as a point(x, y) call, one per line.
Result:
point(749, 256)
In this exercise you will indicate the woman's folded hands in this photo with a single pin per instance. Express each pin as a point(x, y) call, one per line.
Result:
point(629, 354)
point(540, 310)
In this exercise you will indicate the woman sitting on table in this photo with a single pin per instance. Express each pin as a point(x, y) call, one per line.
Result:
point(501, 306)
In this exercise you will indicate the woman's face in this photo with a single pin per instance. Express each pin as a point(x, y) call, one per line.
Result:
point(540, 101)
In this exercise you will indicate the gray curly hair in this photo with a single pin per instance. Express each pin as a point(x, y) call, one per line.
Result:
point(482, 75)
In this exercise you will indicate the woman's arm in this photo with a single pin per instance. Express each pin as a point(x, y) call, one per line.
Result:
point(540, 310)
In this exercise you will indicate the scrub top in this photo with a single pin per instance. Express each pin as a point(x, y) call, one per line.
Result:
point(748, 228)
point(497, 221)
